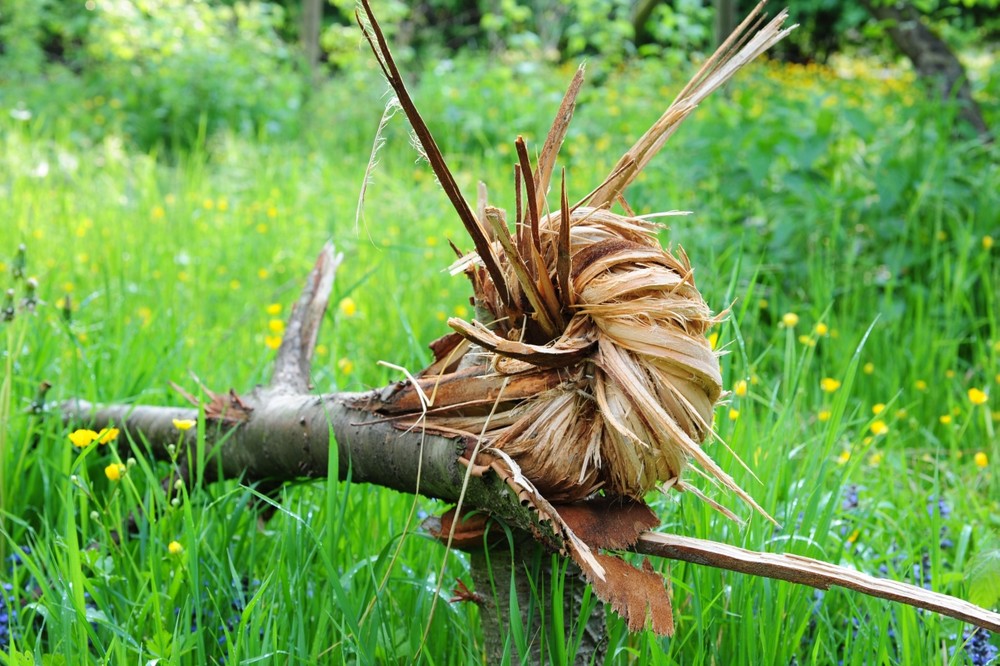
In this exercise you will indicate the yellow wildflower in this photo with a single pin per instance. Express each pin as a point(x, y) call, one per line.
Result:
point(82, 438)
point(920, 385)
point(981, 459)
point(829, 384)
point(175, 548)
point(461, 311)
point(184, 424)
point(107, 435)
point(713, 340)
point(987, 242)
point(345, 365)
point(114, 471)
point(734, 414)
point(878, 408)
point(348, 307)
point(824, 415)
point(276, 326)
point(868, 368)
point(272, 341)
point(874, 459)
point(740, 388)
point(977, 397)
point(274, 309)
point(945, 419)
point(879, 428)
point(789, 319)
point(821, 329)
point(843, 457)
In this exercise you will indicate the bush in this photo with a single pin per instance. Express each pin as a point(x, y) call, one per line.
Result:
point(184, 69)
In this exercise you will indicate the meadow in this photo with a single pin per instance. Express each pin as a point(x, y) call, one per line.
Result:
point(848, 231)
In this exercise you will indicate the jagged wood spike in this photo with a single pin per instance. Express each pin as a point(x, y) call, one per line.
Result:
point(563, 258)
point(529, 186)
point(376, 39)
point(555, 137)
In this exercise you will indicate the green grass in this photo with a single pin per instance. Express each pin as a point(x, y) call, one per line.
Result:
point(843, 200)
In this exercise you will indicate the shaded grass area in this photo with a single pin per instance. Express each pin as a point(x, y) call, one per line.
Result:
point(850, 234)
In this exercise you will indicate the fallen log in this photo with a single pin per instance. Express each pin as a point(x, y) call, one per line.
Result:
point(278, 434)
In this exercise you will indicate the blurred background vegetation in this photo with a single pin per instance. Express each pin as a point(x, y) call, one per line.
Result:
point(167, 73)
point(172, 167)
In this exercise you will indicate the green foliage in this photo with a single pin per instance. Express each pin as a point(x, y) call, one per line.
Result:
point(835, 193)
point(158, 72)
point(180, 69)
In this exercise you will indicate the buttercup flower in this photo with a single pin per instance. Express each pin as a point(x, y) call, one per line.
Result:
point(981, 459)
point(789, 319)
point(272, 341)
point(82, 438)
point(348, 307)
point(184, 424)
point(829, 384)
point(107, 435)
point(824, 415)
point(879, 428)
point(740, 388)
point(114, 471)
point(977, 397)
point(175, 548)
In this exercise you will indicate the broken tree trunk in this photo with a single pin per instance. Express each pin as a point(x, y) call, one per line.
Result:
point(282, 433)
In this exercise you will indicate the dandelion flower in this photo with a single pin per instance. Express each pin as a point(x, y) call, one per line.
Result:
point(829, 384)
point(789, 319)
point(274, 309)
point(107, 435)
point(276, 326)
point(272, 341)
point(348, 307)
point(740, 388)
point(184, 424)
point(821, 329)
point(977, 396)
point(878, 408)
point(879, 428)
point(82, 438)
point(734, 414)
point(114, 471)
point(824, 415)
point(981, 459)
point(175, 548)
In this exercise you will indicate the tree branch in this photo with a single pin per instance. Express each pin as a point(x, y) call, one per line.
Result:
point(287, 437)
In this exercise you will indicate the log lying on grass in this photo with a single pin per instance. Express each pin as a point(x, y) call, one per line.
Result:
point(586, 371)
point(282, 433)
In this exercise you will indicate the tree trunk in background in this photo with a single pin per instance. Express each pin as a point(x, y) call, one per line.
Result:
point(529, 572)
point(726, 19)
point(312, 19)
point(640, 18)
point(932, 58)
